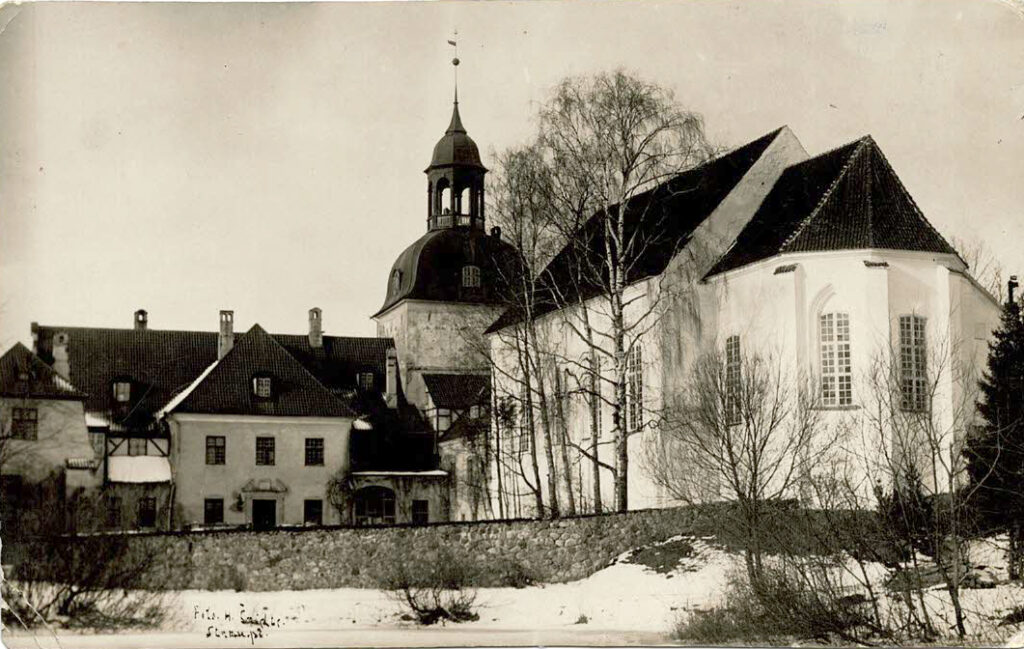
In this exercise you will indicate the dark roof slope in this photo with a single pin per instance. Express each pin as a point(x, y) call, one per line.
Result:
point(227, 389)
point(431, 267)
point(457, 390)
point(162, 363)
point(25, 375)
point(662, 219)
point(848, 198)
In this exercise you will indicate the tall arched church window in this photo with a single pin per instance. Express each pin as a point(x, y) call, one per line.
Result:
point(913, 364)
point(834, 350)
point(471, 276)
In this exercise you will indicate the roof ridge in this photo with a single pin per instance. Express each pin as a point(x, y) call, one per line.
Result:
point(861, 143)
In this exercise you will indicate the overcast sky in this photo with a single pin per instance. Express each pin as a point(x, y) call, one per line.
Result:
point(268, 158)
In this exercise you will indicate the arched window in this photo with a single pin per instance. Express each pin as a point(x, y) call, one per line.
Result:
point(374, 506)
point(913, 364)
point(465, 204)
point(396, 281)
point(834, 352)
point(471, 276)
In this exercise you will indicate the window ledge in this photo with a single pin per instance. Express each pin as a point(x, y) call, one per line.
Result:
point(839, 408)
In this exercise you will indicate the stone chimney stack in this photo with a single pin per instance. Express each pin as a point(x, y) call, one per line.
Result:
point(226, 338)
point(61, 364)
point(141, 319)
point(316, 330)
point(391, 379)
point(1011, 286)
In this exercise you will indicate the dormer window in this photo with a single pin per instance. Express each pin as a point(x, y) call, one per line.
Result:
point(396, 281)
point(262, 387)
point(365, 381)
point(122, 391)
point(471, 276)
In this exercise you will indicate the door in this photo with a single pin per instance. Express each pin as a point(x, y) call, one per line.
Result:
point(264, 514)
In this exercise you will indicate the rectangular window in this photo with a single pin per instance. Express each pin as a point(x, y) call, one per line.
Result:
point(261, 387)
point(471, 276)
point(213, 511)
point(122, 391)
point(98, 442)
point(913, 364)
point(113, 511)
point(733, 378)
point(264, 451)
point(836, 374)
point(634, 389)
point(442, 419)
point(525, 419)
point(365, 381)
point(215, 447)
point(136, 446)
point(313, 512)
point(314, 451)
point(25, 423)
point(147, 512)
point(420, 512)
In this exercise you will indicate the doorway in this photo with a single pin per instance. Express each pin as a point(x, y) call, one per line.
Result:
point(264, 514)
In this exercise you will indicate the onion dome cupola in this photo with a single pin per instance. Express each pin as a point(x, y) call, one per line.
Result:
point(455, 178)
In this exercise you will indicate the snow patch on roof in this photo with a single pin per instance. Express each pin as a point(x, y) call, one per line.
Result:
point(93, 420)
point(374, 474)
point(138, 468)
point(181, 396)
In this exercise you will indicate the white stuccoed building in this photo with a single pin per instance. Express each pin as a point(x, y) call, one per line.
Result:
point(825, 265)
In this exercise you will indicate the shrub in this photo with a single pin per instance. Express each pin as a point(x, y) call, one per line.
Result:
point(434, 590)
point(513, 574)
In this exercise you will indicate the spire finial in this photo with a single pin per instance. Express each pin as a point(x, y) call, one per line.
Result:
point(455, 61)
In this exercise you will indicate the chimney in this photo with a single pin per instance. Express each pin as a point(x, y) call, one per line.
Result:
point(496, 232)
point(61, 364)
point(316, 331)
point(226, 338)
point(1010, 286)
point(141, 319)
point(391, 379)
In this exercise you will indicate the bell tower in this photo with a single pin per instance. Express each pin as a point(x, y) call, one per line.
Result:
point(455, 177)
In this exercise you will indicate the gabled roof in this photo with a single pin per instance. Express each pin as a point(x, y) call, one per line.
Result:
point(23, 374)
point(457, 391)
point(227, 388)
point(663, 219)
point(846, 199)
point(163, 363)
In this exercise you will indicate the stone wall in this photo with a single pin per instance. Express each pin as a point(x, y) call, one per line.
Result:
point(499, 553)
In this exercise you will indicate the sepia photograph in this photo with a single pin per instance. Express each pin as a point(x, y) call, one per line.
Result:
point(448, 323)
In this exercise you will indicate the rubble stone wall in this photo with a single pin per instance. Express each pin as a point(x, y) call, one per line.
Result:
point(497, 553)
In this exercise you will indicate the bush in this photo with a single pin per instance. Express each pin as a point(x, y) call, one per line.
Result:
point(513, 574)
point(438, 590)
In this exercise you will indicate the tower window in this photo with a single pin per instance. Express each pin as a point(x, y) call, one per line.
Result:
point(471, 276)
point(396, 281)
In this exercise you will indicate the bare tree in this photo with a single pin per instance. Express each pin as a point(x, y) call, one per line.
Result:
point(983, 265)
point(742, 431)
point(607, 139)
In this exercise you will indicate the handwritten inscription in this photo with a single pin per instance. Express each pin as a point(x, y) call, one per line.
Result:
point(249, 623)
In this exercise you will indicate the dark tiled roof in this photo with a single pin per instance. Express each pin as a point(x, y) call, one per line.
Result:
point(227, 389)
point(848, 198)
point(663, 219)
point(162, 363)
point(465, 427)
point(457, 390)
point(23, 374)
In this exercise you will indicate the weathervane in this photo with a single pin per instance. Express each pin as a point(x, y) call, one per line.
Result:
point(455, 61)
